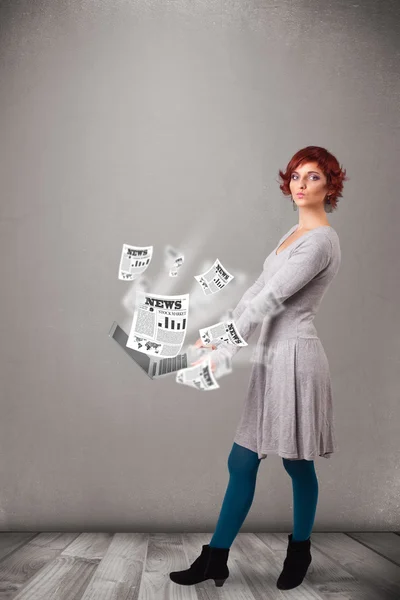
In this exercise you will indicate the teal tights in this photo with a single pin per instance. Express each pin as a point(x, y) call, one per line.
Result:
point(243, 467)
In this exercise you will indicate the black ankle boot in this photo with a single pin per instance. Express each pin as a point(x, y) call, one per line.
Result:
point(211, 564)
point(297, 561)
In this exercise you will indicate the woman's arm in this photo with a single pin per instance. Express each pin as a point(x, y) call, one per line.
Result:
point(305, 261)
point(248, 296)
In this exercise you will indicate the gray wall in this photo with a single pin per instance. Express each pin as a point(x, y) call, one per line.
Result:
point(166, 123)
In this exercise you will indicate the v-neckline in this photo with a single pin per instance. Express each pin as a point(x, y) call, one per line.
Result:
point(299, 238)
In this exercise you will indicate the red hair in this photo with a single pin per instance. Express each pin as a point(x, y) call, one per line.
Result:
point(335, 175)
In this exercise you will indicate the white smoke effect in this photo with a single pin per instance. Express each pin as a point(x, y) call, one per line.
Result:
point(201, 310)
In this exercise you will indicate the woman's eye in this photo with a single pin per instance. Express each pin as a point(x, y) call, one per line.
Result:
point(310, 176)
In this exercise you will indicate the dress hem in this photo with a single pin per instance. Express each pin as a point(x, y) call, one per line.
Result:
point(266, 451)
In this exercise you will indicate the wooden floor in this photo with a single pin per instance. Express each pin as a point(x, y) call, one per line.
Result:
point(136, 566)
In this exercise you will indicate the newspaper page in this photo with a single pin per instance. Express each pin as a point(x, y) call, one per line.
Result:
point(215, 279)
point(200, 376)
point(173, 260)
point(224, 331)
point(134, 261)
point(173, 272)
point(159, 324)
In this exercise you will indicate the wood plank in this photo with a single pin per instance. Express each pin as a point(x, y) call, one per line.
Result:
point(92, 546)
point(374, 573)
point(54, 539)
point(64, 578)
point(20, 566)
point(72, 569)
point(385, 543)
point(119, 574)
point(10, 541)
point(165, 553)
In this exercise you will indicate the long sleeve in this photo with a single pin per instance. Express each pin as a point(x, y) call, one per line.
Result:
point(248, 296)
point(308, 258)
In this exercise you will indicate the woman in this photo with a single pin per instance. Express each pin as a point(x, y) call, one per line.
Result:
point(288, 409)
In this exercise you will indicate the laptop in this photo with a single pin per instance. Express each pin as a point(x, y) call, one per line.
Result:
point(153, 367)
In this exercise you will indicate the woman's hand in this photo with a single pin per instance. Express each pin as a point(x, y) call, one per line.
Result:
point(200, 344)
point(203, 358)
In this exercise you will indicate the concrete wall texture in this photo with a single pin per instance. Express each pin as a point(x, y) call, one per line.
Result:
point(166, 123)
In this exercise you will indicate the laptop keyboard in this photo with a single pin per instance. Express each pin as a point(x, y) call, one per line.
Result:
point(169, 365)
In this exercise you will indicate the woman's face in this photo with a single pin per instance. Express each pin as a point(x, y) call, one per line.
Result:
point(311, 181)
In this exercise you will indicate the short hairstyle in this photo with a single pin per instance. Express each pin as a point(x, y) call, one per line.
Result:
point(334, 173)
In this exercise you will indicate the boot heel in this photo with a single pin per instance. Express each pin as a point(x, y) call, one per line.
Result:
point(219, 582)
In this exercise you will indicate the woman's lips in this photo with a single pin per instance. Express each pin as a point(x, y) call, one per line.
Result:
point(300, 194)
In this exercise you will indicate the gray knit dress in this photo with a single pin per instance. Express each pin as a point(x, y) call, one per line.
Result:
point(288, 409)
